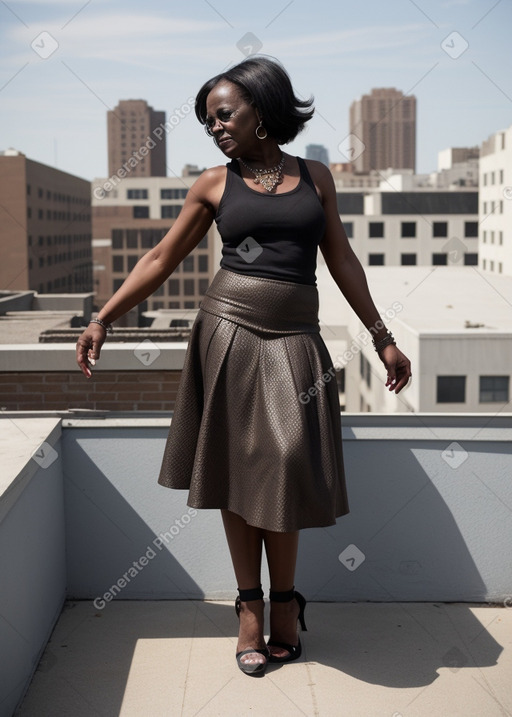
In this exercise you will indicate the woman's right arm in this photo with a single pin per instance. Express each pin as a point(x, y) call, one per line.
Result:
point(155, 266)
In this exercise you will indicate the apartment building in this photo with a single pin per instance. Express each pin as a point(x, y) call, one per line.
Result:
point(495, 218)
point(423, 226)
point(45, 227)
point(130, 216)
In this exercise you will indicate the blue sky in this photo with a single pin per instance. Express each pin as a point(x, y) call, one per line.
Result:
point(54, 109)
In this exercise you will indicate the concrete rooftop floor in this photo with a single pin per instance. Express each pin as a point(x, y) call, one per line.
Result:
point(174, 658)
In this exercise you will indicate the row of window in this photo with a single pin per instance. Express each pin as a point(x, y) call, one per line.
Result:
point(124, 264)
point(52, 259)
point(62, 216)
point(169, 211)
point(493, 207)
point(58, 196)
point(491, 177)
point(438, 259)
point(143, 238)
point(78, 282)
point(376, 230)
point(491, 265)
point(452, 389)
point(167, 193)
point(491, 237)
point(172, 287)
point(60, 239)
point(492, 389)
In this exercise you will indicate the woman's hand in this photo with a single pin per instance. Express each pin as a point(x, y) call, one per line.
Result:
point(398, 367)
point(88, 347)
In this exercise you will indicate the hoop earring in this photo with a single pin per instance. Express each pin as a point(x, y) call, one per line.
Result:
point(260, 126)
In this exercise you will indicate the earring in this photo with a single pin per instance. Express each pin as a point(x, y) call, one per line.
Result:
point(260, 126)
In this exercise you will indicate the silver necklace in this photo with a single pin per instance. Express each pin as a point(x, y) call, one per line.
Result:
point(268, 178)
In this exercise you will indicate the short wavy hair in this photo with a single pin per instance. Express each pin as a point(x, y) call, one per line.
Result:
point(265, 84)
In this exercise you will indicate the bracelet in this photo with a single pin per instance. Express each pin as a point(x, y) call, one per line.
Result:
point(108, 327)
point(386, 341)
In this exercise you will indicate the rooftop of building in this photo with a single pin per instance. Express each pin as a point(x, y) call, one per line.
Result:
point(434, 299)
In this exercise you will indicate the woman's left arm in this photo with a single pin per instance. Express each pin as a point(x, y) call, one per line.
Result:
point(348, 273)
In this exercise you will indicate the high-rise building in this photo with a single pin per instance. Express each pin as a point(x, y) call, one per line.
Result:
point(133, 146)
point(383, 131)
point(318, 152)
point(45, 228)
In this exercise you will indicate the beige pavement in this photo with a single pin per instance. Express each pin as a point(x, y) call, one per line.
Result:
point(177, 658)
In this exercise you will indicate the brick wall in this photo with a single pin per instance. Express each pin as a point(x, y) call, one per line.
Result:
point(106, 390)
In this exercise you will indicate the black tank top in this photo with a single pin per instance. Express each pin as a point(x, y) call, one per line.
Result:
point(274, 236)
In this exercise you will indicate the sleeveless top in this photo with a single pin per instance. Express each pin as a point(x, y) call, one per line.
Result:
point(274, 236)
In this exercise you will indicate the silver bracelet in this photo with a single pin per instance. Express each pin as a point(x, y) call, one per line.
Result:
point(386, 341)
point(108, 327)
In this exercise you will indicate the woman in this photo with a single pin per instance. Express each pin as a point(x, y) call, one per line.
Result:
point(256, 430)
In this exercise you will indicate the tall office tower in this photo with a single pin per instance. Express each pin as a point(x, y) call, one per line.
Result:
point(383, 129)
point(318, 152)
point(132, 146)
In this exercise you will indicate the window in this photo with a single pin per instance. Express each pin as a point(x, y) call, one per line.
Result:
point(408, 230)
point(170, 211)
point(501, 176)
point(202, 261)
point(375, 259)
point(147, 238)
point(131, 238)
point(189, 305)
point(159, 291)
point(140, 212)
point(440, 229)
point(173, 287)
point(470, 259)
point(470, 229)
point(137, 194)
point(189, 288)
point(116, 284)
point(376, 230)
point(117, 238)
point(203, 244)
point(494, 389)
point(408, 259)
point(188, 264)
point(173, 193)
point(40, 193)
point(203, 285)
point(118, 262)
point(132, 260)
point(349, 229)
point(28, 189)
point(439, 259)
point(451, 389)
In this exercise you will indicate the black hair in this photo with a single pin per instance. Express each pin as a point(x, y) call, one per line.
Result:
point(265, 84)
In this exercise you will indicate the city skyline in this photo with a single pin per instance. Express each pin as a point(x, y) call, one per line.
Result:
point(449, 55)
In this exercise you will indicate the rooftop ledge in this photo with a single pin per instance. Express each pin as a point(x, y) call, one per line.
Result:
point(430, 520)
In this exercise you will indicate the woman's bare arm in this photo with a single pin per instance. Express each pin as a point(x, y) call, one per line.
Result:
point(348, 273)
point(156, 265)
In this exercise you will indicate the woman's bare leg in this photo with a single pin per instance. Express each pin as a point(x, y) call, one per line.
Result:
point(281, 550)
point(245, 545)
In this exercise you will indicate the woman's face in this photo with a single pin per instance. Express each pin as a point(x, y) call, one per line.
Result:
point(231, 120)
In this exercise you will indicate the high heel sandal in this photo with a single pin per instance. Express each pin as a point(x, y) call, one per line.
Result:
point(294, 651)
point(257, 668)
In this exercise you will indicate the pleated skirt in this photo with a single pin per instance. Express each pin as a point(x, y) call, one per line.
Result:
point(256, 427)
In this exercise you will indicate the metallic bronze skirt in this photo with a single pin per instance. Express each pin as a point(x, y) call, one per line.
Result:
point(256, 427)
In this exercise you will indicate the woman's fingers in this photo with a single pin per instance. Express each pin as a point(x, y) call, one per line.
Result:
point(88, 350)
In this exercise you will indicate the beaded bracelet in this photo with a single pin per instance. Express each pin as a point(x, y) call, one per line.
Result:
point(108, 327)
point(386, 341)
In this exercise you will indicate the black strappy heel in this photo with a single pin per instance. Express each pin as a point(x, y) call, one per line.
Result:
point(259, 667)
point(295, 651)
